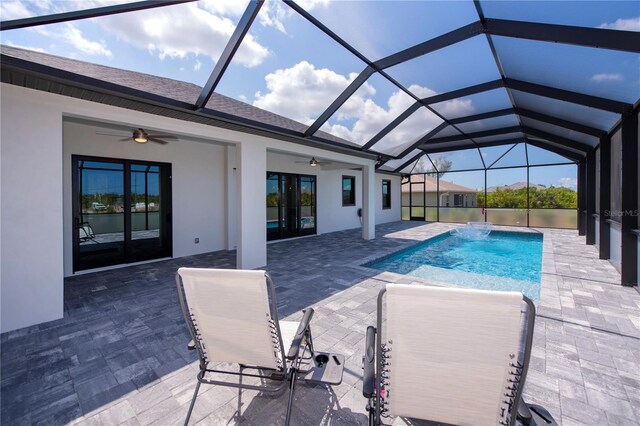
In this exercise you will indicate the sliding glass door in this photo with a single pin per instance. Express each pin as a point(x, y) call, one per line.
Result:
point(291, 205)
point(121, 211)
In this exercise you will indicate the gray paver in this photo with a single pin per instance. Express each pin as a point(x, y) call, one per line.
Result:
point(118, 356)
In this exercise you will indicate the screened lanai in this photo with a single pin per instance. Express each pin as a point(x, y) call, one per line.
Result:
point(499, 92)
point(519, 113)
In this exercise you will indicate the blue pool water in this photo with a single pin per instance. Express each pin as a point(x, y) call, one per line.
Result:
point(502, 261)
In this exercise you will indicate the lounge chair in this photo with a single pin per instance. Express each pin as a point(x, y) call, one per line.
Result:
point(452, 356)
point(232, 318)
point(85, 232)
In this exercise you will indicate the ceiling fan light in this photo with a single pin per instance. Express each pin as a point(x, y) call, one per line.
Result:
point(313, 162)
point(140, 136)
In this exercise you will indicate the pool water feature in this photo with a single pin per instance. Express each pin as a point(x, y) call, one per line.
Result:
point(510, 261)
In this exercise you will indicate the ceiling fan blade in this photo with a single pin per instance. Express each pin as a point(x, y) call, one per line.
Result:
point(156, 140)
point(163, 136)
point(125, 139)
point(111, 134)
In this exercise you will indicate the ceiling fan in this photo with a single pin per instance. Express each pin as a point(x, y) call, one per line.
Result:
point(141, 136)
point(313, 162)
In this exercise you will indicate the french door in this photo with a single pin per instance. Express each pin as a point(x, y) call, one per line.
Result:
point(121, 211)
point(291, 205)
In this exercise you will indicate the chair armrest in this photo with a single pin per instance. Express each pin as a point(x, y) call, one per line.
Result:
point(369, 361)
point(537, 415)
point(524, 414)
point(191, 345)
point(302, 329)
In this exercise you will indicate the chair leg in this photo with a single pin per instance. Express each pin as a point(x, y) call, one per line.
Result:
point(193, 402)
point(290, 403)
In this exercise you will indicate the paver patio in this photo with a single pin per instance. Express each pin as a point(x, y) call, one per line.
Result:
point(119, 355)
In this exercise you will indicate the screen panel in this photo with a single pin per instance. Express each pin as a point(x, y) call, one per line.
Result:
point(617, 15)
point(380, 28)
point(466, 159)
point(513, 158)
point(459, 65)
point(372, 107)
point(605, 73)
point(152, 41)
point(565, 110)
point(539, 156)
point(489, 124)
point(491, 100)
point(289, 78)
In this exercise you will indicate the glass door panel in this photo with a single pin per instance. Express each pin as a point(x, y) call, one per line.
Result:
point(290, 194)
point(148, 213)
point(307, 205)
point(291, 205)
point(273, 206)
point(100, 220)
point(122, 212)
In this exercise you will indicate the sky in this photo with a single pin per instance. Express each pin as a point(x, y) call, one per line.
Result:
point(288, 66)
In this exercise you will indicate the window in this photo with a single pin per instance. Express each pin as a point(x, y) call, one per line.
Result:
point(458, 200)
point(386, 194)
point(348, 191)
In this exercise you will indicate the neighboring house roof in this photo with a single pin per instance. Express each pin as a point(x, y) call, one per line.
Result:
point(431, 185)
point(514, 186)
point(165, 87)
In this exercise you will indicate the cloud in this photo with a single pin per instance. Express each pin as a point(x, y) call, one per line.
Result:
point(201, 28)
point(607, 77)
point(197, 65)
point(178, 31)
point(631, 24)
point(568, 182)
point(13, 10)
point(301, 92)
point(71, 34)
point(19, 46)
point(370, 118)
point(274, 14)
point(95, 48)
point(229, 8)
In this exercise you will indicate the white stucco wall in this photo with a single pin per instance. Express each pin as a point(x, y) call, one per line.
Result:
point(331, 214)
point(394, 213)
point(198, 185)
point(36, 217)
point(31, 287)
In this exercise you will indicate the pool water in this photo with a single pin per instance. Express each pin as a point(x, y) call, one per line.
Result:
point(509, 261)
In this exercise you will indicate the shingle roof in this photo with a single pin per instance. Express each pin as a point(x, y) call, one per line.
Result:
point(165, 87)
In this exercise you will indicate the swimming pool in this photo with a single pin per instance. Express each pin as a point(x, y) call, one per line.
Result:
point(503, 261)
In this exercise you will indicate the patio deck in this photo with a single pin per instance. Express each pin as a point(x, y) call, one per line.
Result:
point(119, 355)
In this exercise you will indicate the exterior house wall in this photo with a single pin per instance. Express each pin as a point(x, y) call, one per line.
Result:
point(331, 215)
point(394, 213)
point(31, 241)
point(38, 137)
point(198, 185)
